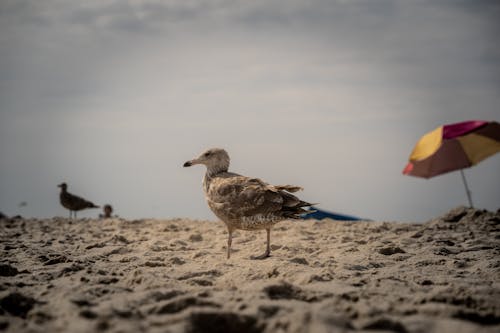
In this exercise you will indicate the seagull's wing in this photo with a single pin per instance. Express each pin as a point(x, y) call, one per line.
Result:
point(238, 197)
point(79, 203)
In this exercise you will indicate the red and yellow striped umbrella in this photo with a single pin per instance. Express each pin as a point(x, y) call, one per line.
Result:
point(453, 147)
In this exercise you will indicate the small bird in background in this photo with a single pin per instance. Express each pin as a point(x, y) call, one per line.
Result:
point(107, 210)
point(72, 202)
point(246, 203)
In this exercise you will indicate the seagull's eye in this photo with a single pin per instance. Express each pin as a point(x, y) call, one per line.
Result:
point(207, 154)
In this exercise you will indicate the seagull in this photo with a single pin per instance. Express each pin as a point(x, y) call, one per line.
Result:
point(72, 202)
point(246, 203)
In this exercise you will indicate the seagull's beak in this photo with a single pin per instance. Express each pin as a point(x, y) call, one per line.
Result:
point(192, 162)
point(198, 160)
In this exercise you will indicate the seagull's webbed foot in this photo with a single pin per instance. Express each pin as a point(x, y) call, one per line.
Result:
point(268, 247)
point(262, 256)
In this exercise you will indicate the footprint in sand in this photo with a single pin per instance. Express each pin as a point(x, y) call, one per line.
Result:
point(222, 322)
point(181, 304)
point(196, 238)
point(17, 304)
point(177, 261)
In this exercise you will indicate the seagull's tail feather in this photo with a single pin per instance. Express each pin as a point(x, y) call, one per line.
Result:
point(297, 210)
point(90, 204)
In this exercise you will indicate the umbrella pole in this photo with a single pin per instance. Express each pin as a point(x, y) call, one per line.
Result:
point(466, 188)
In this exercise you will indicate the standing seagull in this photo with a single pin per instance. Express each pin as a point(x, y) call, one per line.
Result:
point(245, 203)
point(72, 202)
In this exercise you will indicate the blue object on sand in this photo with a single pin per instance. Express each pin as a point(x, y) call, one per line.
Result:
point(320, 214)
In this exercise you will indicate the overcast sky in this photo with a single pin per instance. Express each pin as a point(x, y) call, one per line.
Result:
point(114, 96)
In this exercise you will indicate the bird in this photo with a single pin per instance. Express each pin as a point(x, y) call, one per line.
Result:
point(246, 203)
point(72, 202)
point(107, 211)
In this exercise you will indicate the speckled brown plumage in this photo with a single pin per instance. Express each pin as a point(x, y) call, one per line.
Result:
point(245, 203)
point(72, 202)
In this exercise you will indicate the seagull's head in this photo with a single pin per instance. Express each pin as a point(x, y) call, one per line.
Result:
point(215, 159)
point(63, 186)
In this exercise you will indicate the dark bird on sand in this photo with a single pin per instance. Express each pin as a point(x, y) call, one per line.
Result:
point(72, 202)
point(246, 203)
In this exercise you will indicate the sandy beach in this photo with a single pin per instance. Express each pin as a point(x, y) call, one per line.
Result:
point(114, 275)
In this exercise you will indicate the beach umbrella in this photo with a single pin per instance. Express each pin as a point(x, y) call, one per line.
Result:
point(454, 147)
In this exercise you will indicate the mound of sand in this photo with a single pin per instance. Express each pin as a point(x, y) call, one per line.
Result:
point(58, 275)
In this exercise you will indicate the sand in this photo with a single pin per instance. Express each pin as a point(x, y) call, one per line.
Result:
point(113, 275)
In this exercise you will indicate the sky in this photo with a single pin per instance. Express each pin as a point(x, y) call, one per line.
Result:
point(113, 96)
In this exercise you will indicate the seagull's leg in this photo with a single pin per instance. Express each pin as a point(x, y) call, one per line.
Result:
point(268, 247)
point(229, 241)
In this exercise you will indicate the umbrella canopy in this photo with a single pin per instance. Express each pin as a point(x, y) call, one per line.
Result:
point(453, 147)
